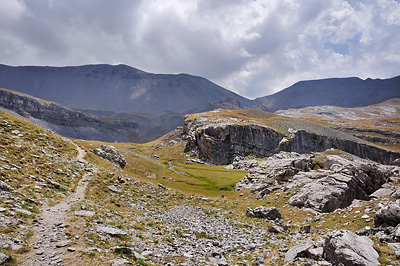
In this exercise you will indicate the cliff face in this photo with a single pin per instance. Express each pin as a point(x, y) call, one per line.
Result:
point(64, 121)
point(221, 138)
point(306, 142)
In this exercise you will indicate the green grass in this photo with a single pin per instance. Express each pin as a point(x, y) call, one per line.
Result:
point(207, 177)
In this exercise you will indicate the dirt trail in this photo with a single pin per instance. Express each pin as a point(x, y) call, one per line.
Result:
point(50, 241)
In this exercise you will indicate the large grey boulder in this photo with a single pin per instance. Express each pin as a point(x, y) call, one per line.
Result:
point(339, 182)
point(328, 193)
point(263, 212)
point(388, 215)
point(344, 247)
point(111, 154)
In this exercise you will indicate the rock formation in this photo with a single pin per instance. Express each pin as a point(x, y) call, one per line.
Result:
point(219, 138)
point(343, 247)
point(111, 154)
point(68, 122)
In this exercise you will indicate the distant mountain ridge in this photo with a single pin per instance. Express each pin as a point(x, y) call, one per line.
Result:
point(118, 88)
point(156, 103)
point(341, 92)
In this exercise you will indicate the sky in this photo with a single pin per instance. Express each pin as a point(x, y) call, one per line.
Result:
point(252, 47)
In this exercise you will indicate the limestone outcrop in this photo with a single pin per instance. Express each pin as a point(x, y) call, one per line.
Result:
point(220, 138)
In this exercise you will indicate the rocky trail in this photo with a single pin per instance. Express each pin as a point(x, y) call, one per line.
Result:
point(50, 243)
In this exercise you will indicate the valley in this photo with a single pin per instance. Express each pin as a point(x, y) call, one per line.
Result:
point(175, 170)
point(173, 204)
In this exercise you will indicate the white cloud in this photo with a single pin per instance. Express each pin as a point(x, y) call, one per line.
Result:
point(251, 47)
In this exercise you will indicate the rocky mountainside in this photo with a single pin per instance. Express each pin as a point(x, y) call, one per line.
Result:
point(116, 88)
point(68, 122)
point(158, 102)
point(223, 134)
point(341, 92)
point(154, 204)
point(375, 123)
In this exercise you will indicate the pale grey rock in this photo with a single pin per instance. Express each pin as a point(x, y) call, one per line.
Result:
point(114, 189)
point(382, 192)
point(346, 248)
point(388, 215)
point(301, 250)
point(84, 213)
point(91, 249)
point(397, 232)
point(111, 154)
point(316, 253)
point(147, 253)
point(62, 244)
point(5, 187)
point(110, 231)
point(395, 195)
point(263, 212)
point(120, 262)
point(26, 212)
point(16, 247)
point(278, 226)
point(396, 247)
point(4, 258)
point(71, 249)
point(327, 194)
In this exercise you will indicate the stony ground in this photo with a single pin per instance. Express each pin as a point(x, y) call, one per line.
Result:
point(49, 242)
point(57, 208)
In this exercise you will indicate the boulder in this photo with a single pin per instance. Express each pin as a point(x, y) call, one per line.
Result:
point(111, 231)
point(5, 187)
point(123, 250)
point(278, 226)
point(111, 154)
point(328, 193)
point(382, 192)
point(263, 212)
point(395, 195)
point(301, 250)
point(84, 213)
point(388, 215)
point(4, 258)
point(344, 247)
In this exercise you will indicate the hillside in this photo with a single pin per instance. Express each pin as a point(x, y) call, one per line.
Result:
point(377, 123)
point(68, 122)
point(60, 204)
point(117, 88)
point(341, 92)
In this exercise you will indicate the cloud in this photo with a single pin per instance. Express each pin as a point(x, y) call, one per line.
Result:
point(252, 47)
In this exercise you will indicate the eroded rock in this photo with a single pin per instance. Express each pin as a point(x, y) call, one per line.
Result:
point(263, 212)
point(111, 154)
point(343, 247)
point(388, 215)
point(301, 250)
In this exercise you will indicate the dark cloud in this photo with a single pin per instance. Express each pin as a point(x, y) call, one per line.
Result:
point(252, 47)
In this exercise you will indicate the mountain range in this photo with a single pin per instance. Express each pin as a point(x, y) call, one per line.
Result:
point(156, 103)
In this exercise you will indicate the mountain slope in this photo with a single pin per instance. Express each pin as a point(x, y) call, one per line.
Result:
point(341, 92)
point(118, 88)
point(68, 122)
